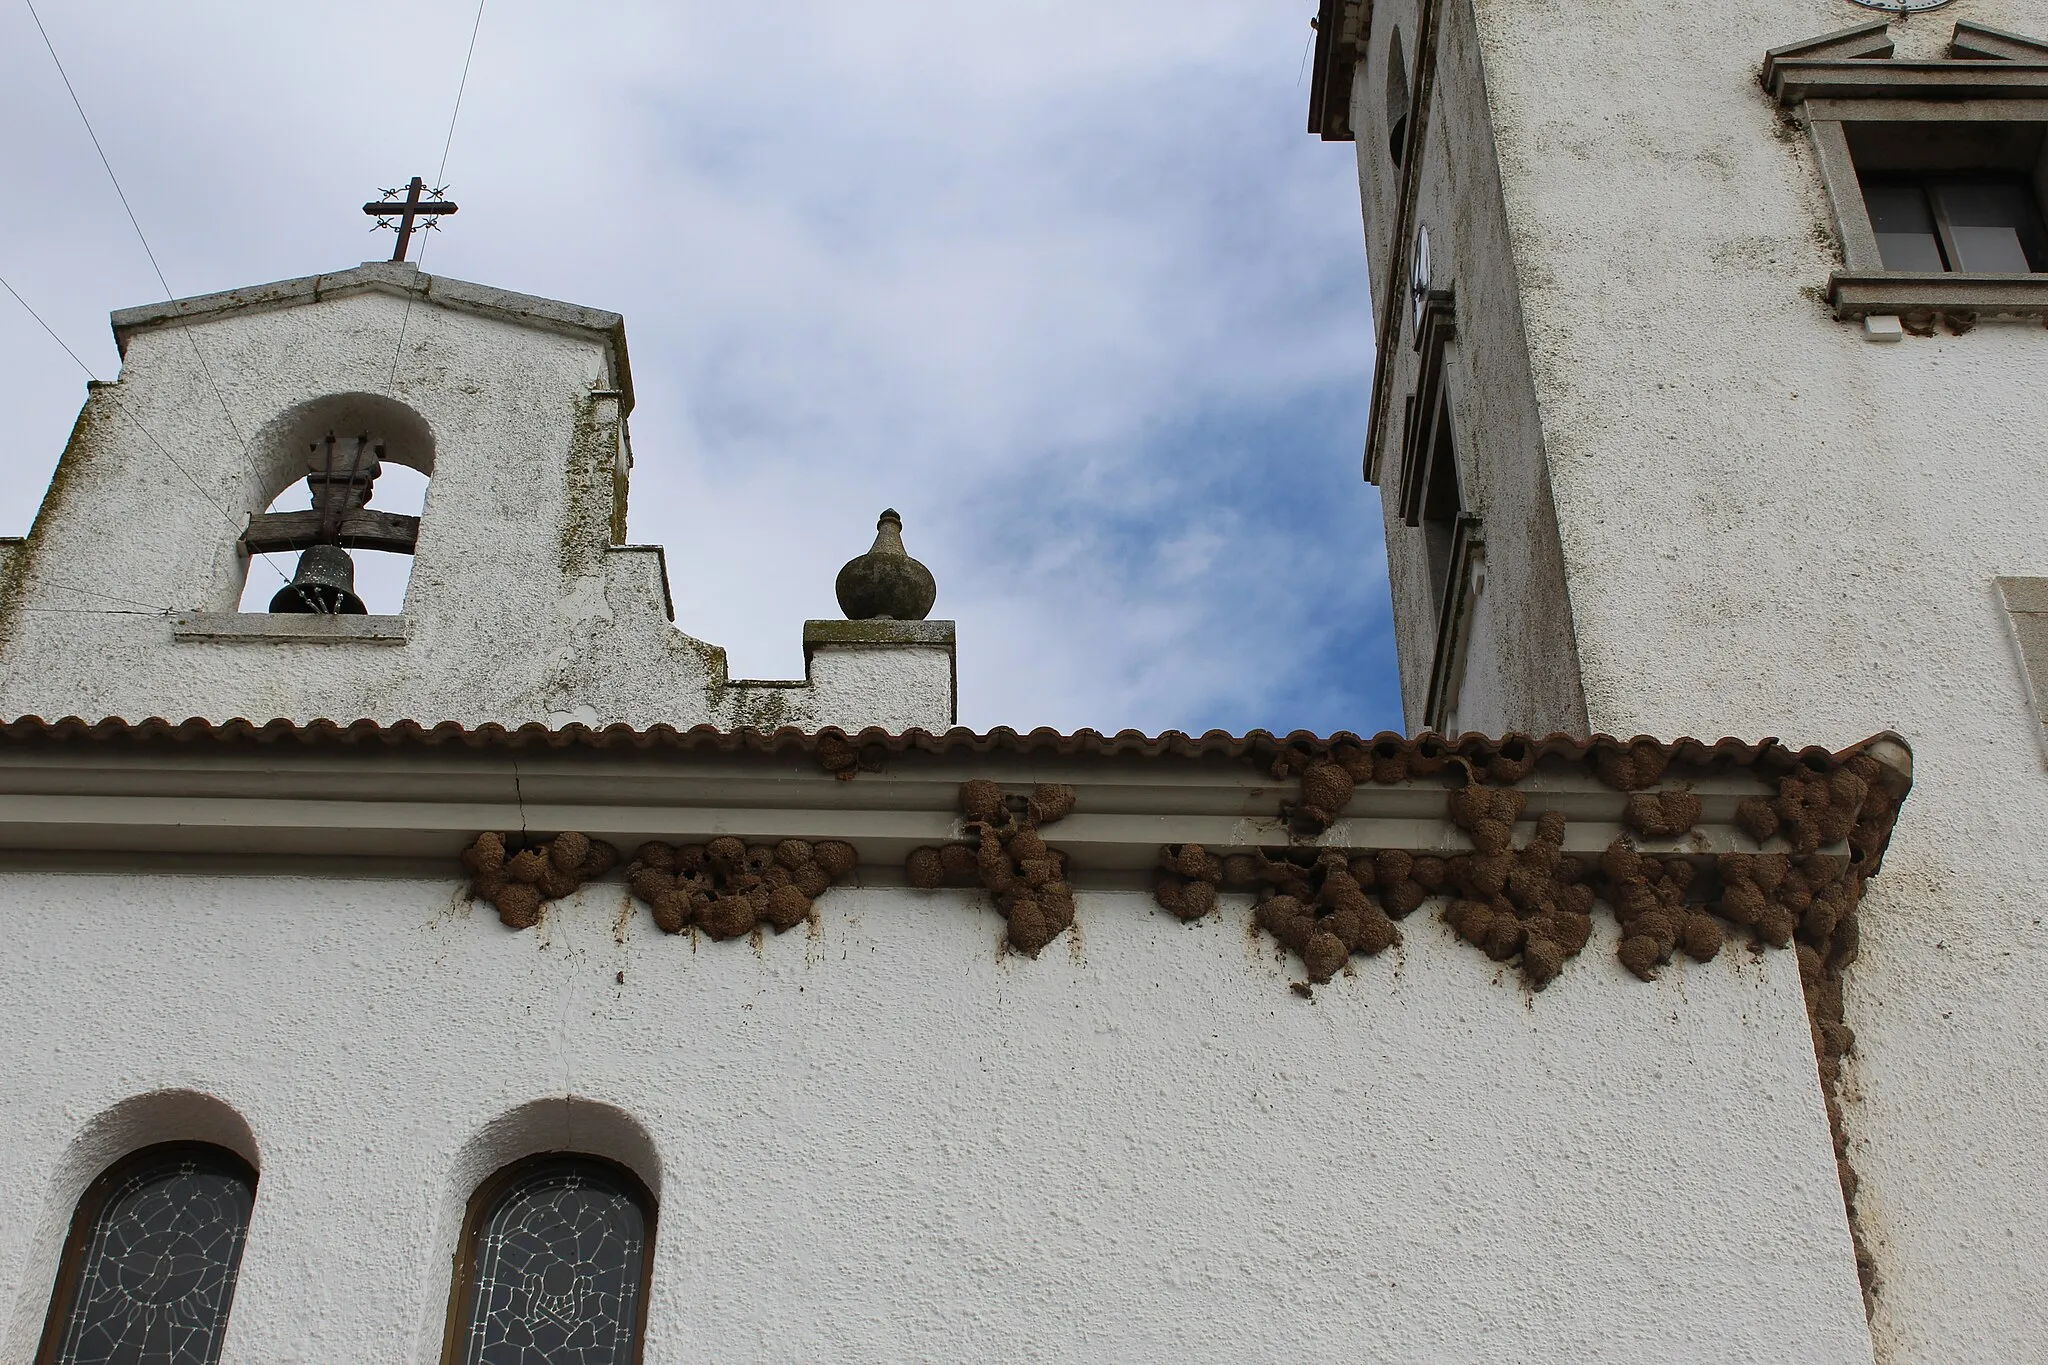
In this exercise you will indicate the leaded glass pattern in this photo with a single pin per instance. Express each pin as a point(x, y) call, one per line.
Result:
point(557, 1270)
point(153, 1277)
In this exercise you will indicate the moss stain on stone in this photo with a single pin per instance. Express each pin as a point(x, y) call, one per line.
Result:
point(621, 486)
point(758, 708)
point(588, 521)
point(78, 454)
point(734, 705)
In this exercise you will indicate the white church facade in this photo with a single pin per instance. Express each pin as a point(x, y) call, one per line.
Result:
point(499, 981)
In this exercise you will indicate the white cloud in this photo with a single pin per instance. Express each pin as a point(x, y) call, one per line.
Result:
point(1063, 281)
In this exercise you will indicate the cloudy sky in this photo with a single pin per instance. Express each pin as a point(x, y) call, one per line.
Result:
point(1064, 281)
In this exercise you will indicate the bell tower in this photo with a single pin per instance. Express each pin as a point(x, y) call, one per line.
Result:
point(525, 604)
point(1708, 401)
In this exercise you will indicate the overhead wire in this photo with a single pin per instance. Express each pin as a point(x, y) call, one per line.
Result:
point(80, 107)
point(170, 295)
point(122, 408)
point(460, 86)
point(146, 608)
point(104, 596)
point(48, 330)
point(440, 174)
point(206, 369)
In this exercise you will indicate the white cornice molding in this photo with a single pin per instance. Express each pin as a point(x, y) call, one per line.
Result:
point(383, 813)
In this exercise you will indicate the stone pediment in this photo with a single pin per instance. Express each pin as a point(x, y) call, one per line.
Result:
point(1985, 63)
point(401, 279)
point(1982, 41)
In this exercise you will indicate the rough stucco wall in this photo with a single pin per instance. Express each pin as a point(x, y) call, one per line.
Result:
point(521, 606)
point(884, 1140)
point(902, 686)
point(1515, 677)
point(1773, 526)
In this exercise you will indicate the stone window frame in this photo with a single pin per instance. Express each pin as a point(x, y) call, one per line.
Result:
point(1427, 419)
point(1427, 408)
point(1454, 623)
point(2026, 611)
point(1850, 77)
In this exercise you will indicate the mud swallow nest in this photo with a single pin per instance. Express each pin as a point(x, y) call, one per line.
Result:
point(1313, 901)
point(1328, 905)
point(1005, 855)
point(727, 887)
point(1533, 905)
point(846, 760)
point(1810, 899)
point(519, 883)
point(1648, 895)
point(1328, 778)
point(1531, 901)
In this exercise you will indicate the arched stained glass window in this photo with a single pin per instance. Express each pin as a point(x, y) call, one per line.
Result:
point(149, 1270)
point(554, 1267)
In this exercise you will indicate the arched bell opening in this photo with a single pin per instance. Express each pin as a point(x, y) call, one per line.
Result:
point(380, 576)
point(344, 488)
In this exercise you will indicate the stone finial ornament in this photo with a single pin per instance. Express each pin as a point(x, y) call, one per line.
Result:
point(886, 584)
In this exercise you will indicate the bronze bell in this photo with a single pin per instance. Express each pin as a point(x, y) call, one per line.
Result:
point(324, 585)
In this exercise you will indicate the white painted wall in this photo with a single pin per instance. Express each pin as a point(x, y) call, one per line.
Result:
point(887, 1141)
point(1771, 526)
point(521, 606)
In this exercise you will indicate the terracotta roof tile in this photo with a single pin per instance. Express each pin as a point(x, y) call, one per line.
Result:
point(1770, 755)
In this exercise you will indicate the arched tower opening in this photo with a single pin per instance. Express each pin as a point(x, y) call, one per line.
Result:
point(1397, 99)
point(345, 484)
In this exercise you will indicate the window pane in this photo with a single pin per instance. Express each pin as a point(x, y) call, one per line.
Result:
point(1905, 227)
point(557, 1272)
point(158, 1271)
point(1989, 223)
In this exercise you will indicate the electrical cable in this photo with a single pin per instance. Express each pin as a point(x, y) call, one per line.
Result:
point(104, 596)
point(170, 295)
point(49, 330)
point(122, 408)
point(460, 86)
point(80, 107)
point(440, 175)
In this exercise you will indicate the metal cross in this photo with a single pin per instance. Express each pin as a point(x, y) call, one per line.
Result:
point(413, 206)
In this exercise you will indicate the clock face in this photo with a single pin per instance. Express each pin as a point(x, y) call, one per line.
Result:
point(1902, 6)
point(1418, 276)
